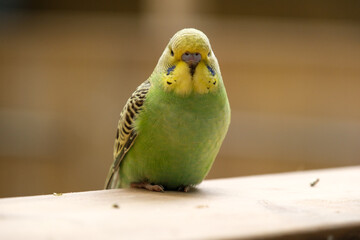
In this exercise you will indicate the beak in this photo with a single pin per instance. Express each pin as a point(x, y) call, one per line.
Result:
point(192, 59)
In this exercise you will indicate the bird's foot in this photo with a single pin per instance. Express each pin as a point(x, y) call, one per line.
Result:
point(184, 188)
point(148, 186)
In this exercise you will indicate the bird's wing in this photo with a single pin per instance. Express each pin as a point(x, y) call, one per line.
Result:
point(126, 134)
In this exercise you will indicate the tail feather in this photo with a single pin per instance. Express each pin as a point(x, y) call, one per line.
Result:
point(112, 180)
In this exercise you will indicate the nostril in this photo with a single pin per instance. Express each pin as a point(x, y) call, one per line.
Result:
point(197, 57)
point(191, 58)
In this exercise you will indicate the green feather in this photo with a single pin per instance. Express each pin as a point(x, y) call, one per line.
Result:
point(179, 138)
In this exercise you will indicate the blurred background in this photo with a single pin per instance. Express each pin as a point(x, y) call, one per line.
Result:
point(291, 68)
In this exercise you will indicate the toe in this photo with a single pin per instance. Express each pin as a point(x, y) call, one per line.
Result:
point(157, 188)
point(148, 186)
point(184, 189)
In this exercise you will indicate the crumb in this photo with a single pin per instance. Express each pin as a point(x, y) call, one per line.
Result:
point(115, 205)
point(312, 184)
point(202, 206)
point(57, 194)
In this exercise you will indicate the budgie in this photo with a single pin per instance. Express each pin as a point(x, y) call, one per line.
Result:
point(172, 127)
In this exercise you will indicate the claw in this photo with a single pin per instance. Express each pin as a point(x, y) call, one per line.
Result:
point(184, 188)
point(148, 186)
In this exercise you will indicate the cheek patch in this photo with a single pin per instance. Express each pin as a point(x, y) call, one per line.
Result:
point(170, 69)
point(211, 70)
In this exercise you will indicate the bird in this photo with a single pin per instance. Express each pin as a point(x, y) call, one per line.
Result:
point(172, 127)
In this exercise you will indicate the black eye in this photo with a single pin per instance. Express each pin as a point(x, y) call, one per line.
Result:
point(209, 54)
point(172, 53)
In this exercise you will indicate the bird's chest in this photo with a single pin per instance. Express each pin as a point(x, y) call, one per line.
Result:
point(178, 139)
point(184, 121)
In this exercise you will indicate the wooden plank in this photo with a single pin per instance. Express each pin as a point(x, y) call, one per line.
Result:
point(267, 206)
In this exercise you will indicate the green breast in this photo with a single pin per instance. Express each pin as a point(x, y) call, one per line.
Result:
point(178, 138)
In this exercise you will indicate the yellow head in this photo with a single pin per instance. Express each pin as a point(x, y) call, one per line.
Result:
point(188, 64)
